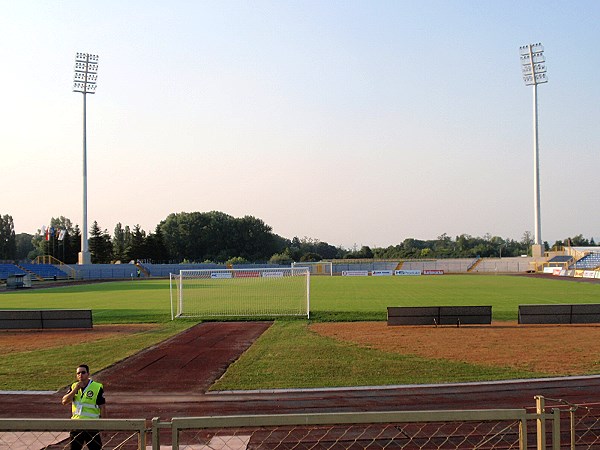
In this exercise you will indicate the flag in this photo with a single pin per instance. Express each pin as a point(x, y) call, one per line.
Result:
point(61, 235)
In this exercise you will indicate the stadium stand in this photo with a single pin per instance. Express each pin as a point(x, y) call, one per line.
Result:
point(104, 271)
point(339, 267)
point(9, 269)
point(468, 265)
point(560, 261)
point(589, 261)
point(45, 271)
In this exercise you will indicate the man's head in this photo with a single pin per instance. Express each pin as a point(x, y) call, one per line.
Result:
point(83, 372)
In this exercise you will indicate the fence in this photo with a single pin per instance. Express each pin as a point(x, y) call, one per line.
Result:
point(560, 426)
point(55, 433)
point(582, 422)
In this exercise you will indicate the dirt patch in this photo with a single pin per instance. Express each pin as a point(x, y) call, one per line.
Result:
point(549, 349)
point(29, 340)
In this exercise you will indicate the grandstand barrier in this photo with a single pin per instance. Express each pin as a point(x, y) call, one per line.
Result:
point(439, 315)
point(15, 319)
point(559, 314)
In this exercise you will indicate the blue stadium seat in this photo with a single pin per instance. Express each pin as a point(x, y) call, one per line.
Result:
point(9, 269)
point(589, 261)
point(46, 271)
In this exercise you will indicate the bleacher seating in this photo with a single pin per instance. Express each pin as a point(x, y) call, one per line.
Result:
point(46, 271)
point(589, 261)
point(9, 269)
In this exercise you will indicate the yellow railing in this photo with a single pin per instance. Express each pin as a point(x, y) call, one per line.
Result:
point(48, 259)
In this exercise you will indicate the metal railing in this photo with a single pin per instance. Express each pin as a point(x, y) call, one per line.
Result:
point(478, 429)
point(582, 422)
point(551, 424)
point(55, 433)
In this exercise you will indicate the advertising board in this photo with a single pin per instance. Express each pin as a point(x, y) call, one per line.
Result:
point(407, 273)
point(433, 272)
point(382, 273)
point(355, 273)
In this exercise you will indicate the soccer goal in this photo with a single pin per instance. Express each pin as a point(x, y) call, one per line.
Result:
point(261, 292)
point(317, 268)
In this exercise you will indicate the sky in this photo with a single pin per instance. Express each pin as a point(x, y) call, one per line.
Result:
point(350, 122)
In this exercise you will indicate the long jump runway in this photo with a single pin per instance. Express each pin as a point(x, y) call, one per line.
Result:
point(170, 380)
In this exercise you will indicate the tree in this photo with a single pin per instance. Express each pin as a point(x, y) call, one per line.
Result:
point(8, 243)
point(365, 252)
point(579, 241)
point(100, 245)
point(119, 242)
point(24, 245)
point(155, 245)
point(527, 239)
point(72, 245)
point(236, 260)
point(63, 241)
point(216, 236)
point(255, 239)
point(137, 245)
point(61, 244)
point(281, 258)
point(311, 257)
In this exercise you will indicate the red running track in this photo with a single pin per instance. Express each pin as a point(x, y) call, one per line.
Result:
point(170, 380)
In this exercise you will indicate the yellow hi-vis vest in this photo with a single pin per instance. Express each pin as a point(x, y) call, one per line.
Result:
point(84, 403)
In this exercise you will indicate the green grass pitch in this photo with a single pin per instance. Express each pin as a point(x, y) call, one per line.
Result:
point(290, 353)
point(332, 298)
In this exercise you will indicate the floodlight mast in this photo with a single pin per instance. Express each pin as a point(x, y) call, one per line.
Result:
point(534, 73)
point(86, 74)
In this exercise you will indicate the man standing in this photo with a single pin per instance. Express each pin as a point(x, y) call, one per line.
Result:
point(87, 402)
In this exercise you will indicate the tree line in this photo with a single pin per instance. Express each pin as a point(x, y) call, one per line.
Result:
point(218, 237)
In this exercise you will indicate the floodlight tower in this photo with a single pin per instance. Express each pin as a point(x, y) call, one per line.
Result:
point(534, 73)
point(86, 74)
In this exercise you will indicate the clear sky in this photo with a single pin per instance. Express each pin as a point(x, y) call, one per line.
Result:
point(351, 122)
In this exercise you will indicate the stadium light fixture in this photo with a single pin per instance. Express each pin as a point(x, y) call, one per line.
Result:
point(533, 66)
point(86, 74)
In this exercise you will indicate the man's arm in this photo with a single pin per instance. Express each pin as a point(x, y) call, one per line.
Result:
point(103, 411)
point(68, 397)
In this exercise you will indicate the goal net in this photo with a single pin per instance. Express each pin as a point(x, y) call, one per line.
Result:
point(317, 268)
point(258, 292)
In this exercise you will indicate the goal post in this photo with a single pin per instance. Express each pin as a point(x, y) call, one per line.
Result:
point(317, 268)
point(260, 292)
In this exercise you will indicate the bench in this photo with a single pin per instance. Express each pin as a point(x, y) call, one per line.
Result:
point(439, 315)
point(559, 314)
point(13, 319)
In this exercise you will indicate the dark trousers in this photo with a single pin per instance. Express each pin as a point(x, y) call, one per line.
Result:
point(81, 437)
